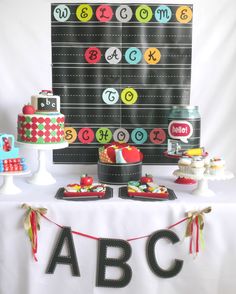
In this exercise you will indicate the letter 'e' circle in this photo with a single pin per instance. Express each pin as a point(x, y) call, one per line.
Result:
point(84, 12)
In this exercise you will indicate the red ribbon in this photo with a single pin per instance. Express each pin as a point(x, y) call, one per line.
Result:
point(73, 232)
point(98, 238)
point(33, 222)
point(197, 234)
point(195, 225)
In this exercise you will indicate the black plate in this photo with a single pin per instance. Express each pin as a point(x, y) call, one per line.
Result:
point(60, 195)
point(123, 193)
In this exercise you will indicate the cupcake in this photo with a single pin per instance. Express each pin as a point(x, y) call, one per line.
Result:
point(197, 166)
point(217, 166)
point(184, 164)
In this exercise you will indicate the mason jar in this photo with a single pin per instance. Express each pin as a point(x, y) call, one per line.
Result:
point(184, 128)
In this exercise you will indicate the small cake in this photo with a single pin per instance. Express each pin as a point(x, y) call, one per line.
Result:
point(41, 121)
point(184, 164)
point(146, 189)
point(217, 166)
point(197, 166)
point(9, 155)
point(119, 163)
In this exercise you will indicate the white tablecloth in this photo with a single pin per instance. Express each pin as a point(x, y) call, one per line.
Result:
point(213, 271)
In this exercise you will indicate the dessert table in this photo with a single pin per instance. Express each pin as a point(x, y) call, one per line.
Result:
point(212, 271)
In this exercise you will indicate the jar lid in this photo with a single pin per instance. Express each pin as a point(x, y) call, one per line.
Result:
point(185, 106)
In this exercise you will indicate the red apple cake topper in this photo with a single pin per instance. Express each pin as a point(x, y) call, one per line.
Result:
point(28, 109)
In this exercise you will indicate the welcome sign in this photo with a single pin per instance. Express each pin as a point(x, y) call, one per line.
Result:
point(118, 69)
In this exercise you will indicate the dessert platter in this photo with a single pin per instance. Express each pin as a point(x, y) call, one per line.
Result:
point(147, 190)
point(84, 190)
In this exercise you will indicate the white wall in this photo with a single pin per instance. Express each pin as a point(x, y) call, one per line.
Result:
point(25, 68)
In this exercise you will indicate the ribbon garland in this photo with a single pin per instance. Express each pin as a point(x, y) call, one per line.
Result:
point(195, 224)
point(194, 229)
point(32, 225)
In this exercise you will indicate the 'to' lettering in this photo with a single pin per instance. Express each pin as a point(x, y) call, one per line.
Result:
point(110, 96)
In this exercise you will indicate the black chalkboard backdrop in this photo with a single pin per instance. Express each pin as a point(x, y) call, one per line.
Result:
point(118, 71)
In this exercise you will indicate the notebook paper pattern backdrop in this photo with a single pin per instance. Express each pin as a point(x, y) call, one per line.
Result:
point(119, 69)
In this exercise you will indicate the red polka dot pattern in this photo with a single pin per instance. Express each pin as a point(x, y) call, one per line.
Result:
point(50, 130)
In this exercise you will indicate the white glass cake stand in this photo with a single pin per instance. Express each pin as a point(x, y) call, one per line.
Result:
point(8, 186)
point(42, 176)
point(202, 181)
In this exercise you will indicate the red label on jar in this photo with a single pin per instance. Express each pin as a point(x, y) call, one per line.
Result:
point(180, 129)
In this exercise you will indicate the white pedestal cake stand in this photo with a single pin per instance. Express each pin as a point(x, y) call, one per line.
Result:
point(202, 181)
point(8, 187)
point(42, 176)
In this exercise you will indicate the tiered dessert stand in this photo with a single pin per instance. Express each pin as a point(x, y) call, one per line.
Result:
point(185, 180)
point(42, 176)
point(202, 181)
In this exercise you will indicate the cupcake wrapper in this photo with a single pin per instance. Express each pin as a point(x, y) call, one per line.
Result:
point(217, 171)
point(184, 169)
point(198, 170)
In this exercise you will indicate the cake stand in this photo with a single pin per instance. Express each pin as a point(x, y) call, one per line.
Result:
point(202, 181)
point(8, 187)
point(42, 176)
